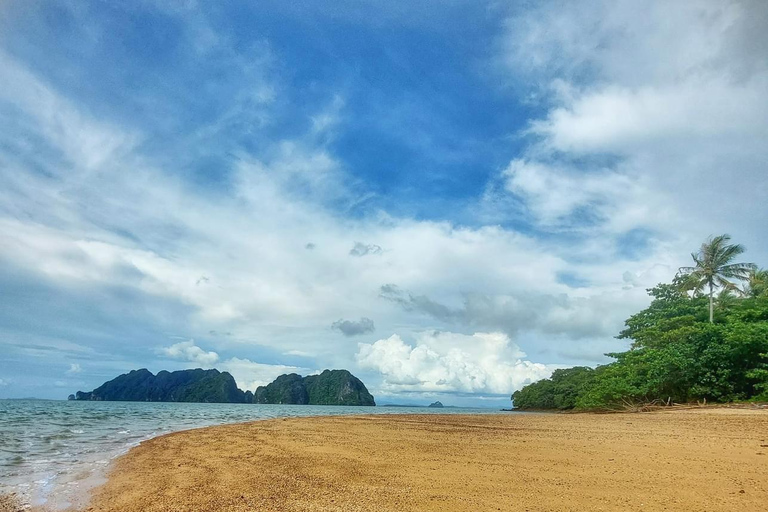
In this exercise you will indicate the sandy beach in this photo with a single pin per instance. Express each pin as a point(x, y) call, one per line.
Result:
point(683, 460)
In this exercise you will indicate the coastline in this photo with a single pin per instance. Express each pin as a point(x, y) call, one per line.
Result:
point(672, 460)
point(55, 451)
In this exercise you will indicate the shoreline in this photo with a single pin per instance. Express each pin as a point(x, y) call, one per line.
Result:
point(669, 460)
point(56, 484)
point(72, 447)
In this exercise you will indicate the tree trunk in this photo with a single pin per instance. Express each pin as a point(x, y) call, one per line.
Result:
point(711, 306)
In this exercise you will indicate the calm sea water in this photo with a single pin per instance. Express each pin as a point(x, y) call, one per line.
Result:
point(52, 452)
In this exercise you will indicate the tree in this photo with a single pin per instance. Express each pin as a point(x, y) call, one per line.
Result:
point(714, 268)
point(757, 283)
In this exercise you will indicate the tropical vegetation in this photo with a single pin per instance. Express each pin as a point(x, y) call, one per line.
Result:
point(686, 346)
point(715, 269)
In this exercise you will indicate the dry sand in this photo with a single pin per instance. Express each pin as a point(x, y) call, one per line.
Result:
point(684, 460)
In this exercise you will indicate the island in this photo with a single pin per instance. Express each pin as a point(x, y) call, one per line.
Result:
point(438, 404)
point(331, 387)
point(196, 385)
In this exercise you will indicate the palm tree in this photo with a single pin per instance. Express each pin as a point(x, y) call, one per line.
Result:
point(714, 268)
point(757, 283)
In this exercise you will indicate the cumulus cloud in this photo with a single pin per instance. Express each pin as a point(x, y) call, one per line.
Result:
point(451, 362)
point(250, 375)
point(361, 249)
point(74, 368)
point(354, 327)
point(188, 351)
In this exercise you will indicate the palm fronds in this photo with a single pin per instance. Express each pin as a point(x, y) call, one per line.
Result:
point(714, 269)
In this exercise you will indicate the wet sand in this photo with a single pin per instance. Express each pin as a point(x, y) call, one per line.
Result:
point(10, 503)
point(684, 460)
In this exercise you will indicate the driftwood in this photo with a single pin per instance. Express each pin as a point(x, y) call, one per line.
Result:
point(628, 405)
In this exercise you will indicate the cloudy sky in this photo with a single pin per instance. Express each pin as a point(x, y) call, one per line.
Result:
point(450, 199)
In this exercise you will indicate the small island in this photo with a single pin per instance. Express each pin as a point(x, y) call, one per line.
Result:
point(438, 404)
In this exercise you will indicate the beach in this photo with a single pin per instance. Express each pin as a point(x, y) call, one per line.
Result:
point(700, 459)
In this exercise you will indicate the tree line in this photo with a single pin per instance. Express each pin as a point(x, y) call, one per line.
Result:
point(704, 337)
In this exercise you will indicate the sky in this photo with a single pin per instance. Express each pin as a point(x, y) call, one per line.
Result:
point(449, 199)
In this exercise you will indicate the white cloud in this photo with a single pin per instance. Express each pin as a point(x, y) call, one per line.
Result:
point(188, 351)
point(74, 368)
point(260, 281)
point(554, 194)
point(672, 92)
point(5, 382)
point(451, 362)
point(86, 143)
point(250, 375)
point(626, 119)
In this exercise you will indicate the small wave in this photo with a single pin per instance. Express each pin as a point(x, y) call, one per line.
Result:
point(17, 460)
point(57, 437)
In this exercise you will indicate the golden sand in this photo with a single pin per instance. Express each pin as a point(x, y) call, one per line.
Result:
point(684, 460)
point(10, 503)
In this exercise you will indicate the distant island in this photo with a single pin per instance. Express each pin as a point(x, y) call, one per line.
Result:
point(437, 404)
point(331, 387)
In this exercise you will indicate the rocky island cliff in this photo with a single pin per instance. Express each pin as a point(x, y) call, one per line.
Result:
point(181, 386)
point(331, 387)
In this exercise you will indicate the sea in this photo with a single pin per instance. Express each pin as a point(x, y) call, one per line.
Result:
point(52, 452)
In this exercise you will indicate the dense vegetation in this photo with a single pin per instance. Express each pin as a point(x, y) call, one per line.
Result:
point(180, 386)
point(332, 387)
point(336, 387)
point(286, 389)
point(686, 346)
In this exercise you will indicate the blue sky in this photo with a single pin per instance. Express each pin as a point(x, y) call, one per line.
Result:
point(450, 199)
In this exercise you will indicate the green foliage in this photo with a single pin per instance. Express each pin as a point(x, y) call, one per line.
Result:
point(715, 269)
point(331, 387)
point(181, 386)
point(558, 392)
point(757, 283)
point(676, 354)
point(286, 389)
point(670, 309)
point(337, 387)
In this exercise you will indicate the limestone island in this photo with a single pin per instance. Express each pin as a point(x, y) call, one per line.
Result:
point(331, 387)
